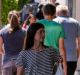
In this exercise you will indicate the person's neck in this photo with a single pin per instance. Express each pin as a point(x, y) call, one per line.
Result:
point(37, 46)
point(49, 18)
point(64, 16)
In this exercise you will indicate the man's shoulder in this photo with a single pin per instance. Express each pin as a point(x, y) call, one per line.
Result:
point(73, 20)
point(48, 22)
point(42, 20)
point(61, 19)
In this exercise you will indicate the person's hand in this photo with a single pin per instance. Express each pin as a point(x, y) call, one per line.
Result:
point(60, 59)
point(65, 72)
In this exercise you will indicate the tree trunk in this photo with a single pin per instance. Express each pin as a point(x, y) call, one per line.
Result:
point(0, 12)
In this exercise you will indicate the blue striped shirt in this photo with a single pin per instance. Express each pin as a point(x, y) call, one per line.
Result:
point(38, 62)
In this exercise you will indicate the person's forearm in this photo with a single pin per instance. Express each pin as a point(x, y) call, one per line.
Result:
point(1, 51)
point(78, 46)
point(64, 62)
point(78, 50)
point(20, 71)
point(78, 53)
point(0, 64)
point(65, 67)
point(1, 45)
point(63, 54)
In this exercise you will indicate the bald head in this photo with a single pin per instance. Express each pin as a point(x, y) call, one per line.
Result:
point(62, 10)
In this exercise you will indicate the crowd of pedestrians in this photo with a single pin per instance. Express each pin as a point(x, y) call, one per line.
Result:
point(41, 43)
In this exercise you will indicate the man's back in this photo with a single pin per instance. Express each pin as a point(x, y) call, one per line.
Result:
point(71, 28)
point(53, 32)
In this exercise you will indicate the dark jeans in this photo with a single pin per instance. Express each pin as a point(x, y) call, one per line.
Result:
point(71, 66)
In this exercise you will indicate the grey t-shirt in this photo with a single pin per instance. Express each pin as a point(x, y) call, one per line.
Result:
point(13, 43)
point(72, 31)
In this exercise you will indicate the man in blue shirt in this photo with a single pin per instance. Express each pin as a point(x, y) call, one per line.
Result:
point(72, 35)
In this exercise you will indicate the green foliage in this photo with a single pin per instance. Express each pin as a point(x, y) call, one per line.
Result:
point(21, 3)
point(7, 5)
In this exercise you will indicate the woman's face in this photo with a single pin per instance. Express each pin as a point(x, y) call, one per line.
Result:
point(40, 35)
point(32, 20)
point(14, 21)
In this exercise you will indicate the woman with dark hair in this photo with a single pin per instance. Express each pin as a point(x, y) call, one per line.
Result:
point(11, 43)
point(31, 19)
point(36, 59)
point(39, 14)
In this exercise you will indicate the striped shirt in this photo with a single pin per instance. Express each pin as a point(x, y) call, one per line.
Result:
point(38, 62)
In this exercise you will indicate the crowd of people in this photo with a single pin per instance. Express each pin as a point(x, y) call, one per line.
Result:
point(41, 43)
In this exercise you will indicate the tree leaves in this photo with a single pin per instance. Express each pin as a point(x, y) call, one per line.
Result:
point(7, 5)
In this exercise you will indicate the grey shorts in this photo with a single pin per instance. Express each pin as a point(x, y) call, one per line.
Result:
point(9, 68)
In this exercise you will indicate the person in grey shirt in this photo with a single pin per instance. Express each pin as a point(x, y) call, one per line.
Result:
point(72, 35)
point(11, 43)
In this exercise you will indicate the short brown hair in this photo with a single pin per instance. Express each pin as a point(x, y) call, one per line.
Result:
point(49, 9)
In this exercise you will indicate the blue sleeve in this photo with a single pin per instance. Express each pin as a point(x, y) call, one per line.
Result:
point(20, 59)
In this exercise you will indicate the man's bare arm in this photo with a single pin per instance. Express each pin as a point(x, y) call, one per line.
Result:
point(78, 46)
point(63, 54)
point(1, 46)
point(20, 70)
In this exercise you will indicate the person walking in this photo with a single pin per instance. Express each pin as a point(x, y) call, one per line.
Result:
point(72, 36)
point(37, 58)
point(31, 19)
point(39, 14)
point(54, 33)
point(11, 43)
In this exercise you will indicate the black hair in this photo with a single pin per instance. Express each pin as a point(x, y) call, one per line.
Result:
point(40, 7)
point(31, 33)
point(56, 4)
point(49, 9)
